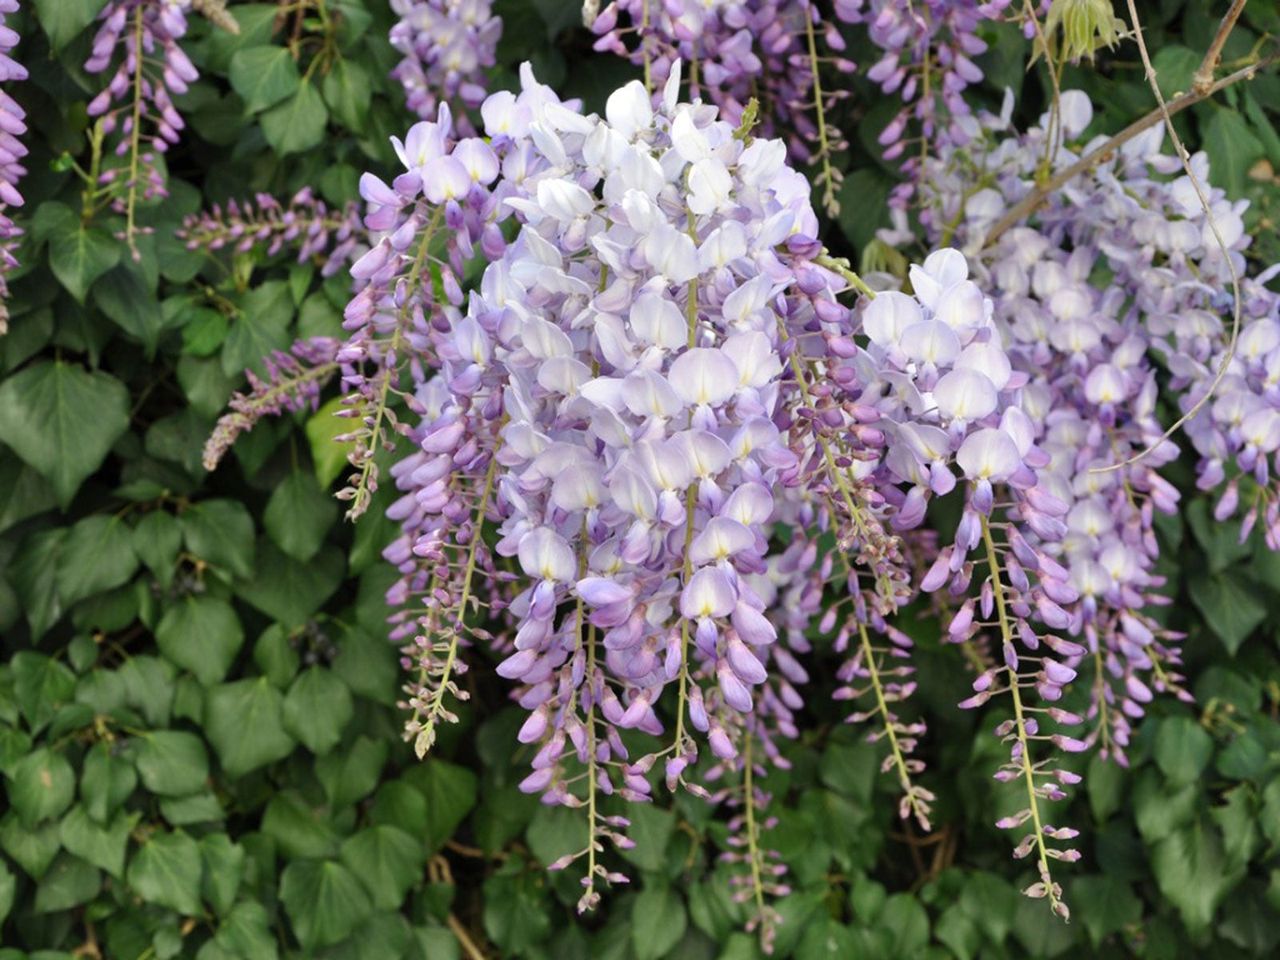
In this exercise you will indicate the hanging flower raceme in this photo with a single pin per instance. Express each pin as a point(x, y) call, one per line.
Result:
point(771, 51)
point(447, 46)
point(928, 62)
point(614, 380)
point(12, 127)
point(136, 107)
point(266, 225)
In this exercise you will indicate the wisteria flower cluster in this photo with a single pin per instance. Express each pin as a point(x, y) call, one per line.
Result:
point(446, 45)
point(265, 224)
point(928, 62)
point(770, 51)
point(137, 103)
point(12, 127)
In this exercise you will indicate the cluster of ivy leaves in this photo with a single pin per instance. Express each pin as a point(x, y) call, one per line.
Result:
point(199, 743)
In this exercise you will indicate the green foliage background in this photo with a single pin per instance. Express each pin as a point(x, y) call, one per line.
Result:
point(198, 738)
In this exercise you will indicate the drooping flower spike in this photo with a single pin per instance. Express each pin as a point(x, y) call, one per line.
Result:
point(12, 151)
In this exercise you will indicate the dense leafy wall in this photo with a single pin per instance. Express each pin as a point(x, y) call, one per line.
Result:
point(201, 750)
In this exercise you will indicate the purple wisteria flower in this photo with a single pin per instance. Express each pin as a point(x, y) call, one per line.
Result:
point(12, 151)
point(152, 69)
point(447, 46)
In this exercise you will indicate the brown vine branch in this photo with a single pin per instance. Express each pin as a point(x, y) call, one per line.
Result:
point(1028, 204)
point(1204, 75)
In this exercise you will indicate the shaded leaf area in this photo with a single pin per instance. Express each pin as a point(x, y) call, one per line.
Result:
point(200, 747)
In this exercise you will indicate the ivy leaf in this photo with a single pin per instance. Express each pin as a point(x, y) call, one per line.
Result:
point(201, 634)
point(63, 20)
point(324, 901)
point(451, 794)
point(105, 781)
point(289, 591)
point(387, 861)
point(68, 883)
point(79, 255)
point(33, 849)
point(41, 685)
point(1106, 905)
point(1182, 749)
point(299, 515)
point(124, 297)
point(299, 829)
point(1193, 874)
point(157, 538)
point(328, 455)
point(24, 493)
point(244, 722)
point(246, 932)
point(98, 555)
point(297, 124)
point(347, 91)
point(1231, 611)
point(43, 419)
point(658, 921)
point(102, 846)
point(223, 866)
point(8, 886)
point(35, 578)
point(352, 774)
point(41, 785)
point(220, 532)
point(167, 871)
point(172, 763)
point(261, 326)
point(1232, 148)
point(316, 709)
point(263, 76)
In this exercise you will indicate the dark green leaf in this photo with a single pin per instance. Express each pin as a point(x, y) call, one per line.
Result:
point(202, 635)
point(387, 861)
point(263, 76)
point(347, 91)
point(1182, 749)
point(41, 685)
point(167, 871)
point(97, 555)
point(157, 538)
point(1193, 873)
point(79, 255)
point(246, 932)
point(316, 709)
point(299, 515)
point(451, 793)
point(658, 921)
point(62, 20)
point(33, 849)
point(172, 763)
point(244, 721)
point(1230, 609)
point(324, 901)
point(298, 123)
point(223, 865)
point(42, 417)
point(220, 532)
point(289, 591)
point(68, 883)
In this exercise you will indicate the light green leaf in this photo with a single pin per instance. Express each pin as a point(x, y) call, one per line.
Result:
point(263, 76)
point(32, 848)
point(79, 255)
point(352, 773)
point(223, 866)
point(1105, 904)
point(63, 20)
point(451, 794)
point(299, 829)
point(324, 901)
point(244, 722)
point(328, 455)
point(42, 417)
point(105, 782)
point(68, 883)
point(172, 763)
point(41, 785)
point(298, 123)
point(40, 685)
point(316, 709)
point(101, 846)
point(167, 871)
point(201, 634)
point(299, 515)
point(1194, 875)
point(97, 555)
point(387, 861)
point(246, 932)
